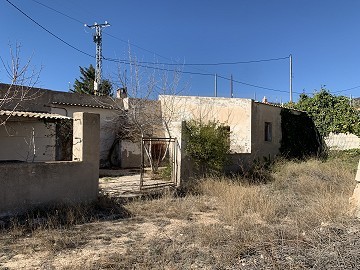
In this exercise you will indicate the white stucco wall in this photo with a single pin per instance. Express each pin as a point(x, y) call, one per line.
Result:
point(26, 139)
point(235, 113)
point(342, 141)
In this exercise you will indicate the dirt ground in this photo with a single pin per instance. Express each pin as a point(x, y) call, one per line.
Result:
point(298, 220)
point(188, 235)
point(93, 245)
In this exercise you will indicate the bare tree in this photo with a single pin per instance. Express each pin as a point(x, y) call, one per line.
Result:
point(22, 80)
point(141, 116)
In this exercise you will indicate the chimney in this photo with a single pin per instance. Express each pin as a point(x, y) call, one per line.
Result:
point(121, 92)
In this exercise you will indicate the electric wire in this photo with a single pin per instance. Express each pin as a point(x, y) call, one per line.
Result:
point(345, 90)
point(197, 73)
point(228, 63)
point(57, 11)
point(110, 35)
point(169, 64)
point(48, 31)
point(190, 64)
point(140, 64)
point(128, 62)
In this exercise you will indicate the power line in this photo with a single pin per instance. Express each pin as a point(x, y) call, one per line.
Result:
point(57, 11)
point(216, 64)
point(110, 35)
point(141, 65)
point(230, 63)
point(348, 89)
point(197, 73)
point(137, 46)
point(253, 85)
point(169, 64)
point(48, 31)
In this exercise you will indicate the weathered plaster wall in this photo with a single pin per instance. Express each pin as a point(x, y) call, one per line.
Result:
point(235, 113)
point(27, 139)
point(109, 124)
point(26, 185)
point(261, 113)
point(66, 103)
point(146, 113)
point(355, 198)
point(342, 141)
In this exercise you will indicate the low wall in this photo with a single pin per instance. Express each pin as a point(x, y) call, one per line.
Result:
point(27, 185)
point(342, 141)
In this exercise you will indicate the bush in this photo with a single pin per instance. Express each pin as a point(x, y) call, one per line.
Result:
point(330, 113)
point(207, 145)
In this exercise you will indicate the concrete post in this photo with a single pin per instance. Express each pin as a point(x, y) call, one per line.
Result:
point(86, 137)
point(355, 199)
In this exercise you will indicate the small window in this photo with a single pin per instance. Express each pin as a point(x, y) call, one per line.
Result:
point(268, 132)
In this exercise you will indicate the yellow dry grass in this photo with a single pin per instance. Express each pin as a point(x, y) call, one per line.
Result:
point(306, 193)
point(298, 220)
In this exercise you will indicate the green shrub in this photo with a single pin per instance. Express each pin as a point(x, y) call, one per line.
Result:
point(207, 145)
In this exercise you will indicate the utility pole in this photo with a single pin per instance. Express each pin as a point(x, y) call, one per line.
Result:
point(291, 75)
point(231, 87)
point(215, 85)
point(98, 42)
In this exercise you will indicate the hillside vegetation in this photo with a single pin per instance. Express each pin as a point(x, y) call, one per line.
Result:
point(299, 219)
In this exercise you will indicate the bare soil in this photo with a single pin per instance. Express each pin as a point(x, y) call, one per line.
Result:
point(195, 237)
point(299, 220)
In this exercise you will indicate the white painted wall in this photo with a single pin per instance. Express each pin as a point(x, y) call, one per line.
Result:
point(342, 141)
point(234, 112)
point(27, 139)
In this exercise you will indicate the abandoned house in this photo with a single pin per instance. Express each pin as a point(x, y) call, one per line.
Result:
point(52, 140)
point(256, 130)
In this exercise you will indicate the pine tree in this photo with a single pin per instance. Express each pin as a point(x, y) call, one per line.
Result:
point(85, 84)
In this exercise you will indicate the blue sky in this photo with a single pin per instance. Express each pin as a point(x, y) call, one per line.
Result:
point(322, 36)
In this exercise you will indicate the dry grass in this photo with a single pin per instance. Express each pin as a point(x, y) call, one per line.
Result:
point(306, 193)
point(299, 220)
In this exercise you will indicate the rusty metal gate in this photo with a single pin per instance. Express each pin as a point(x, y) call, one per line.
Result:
point(159, 166)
